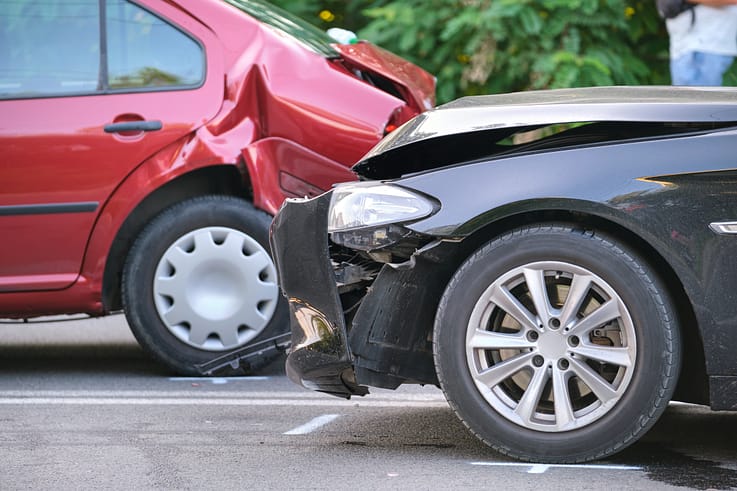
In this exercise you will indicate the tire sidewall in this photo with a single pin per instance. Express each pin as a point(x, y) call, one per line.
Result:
point(653, 329)
point(140, 269)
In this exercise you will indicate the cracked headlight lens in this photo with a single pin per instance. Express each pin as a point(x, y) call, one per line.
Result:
point(368, 205)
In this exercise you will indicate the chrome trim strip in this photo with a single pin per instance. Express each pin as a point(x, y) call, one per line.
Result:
point(724, 228)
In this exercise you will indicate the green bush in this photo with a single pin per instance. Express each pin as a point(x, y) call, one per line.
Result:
point(347, 14)
point(494, 46)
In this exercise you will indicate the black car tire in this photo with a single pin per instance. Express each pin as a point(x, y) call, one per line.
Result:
point(614, 378)
point(199, 282)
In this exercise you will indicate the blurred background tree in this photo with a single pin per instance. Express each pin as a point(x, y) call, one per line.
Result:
point(494, 46)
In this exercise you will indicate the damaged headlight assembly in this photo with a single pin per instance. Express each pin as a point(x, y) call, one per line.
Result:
point(371, 215)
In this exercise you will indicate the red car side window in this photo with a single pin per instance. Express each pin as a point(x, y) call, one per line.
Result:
point(49, 48)
point(52, 48)
point(145, 51)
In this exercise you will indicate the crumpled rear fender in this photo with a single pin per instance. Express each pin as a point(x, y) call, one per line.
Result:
point(280, 168)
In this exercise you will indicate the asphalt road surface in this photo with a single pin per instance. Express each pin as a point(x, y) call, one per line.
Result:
point(81, 407)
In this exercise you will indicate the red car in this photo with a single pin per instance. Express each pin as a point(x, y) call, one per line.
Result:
point(146, 144)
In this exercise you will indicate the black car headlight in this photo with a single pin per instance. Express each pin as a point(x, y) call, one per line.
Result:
point(371, 215)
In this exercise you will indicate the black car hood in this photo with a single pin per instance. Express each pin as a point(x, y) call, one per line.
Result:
point(470, 128)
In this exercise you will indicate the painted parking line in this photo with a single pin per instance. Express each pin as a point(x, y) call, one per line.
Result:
point(166, 401)
point(542, 468)
point(208, 398)
point(218, 380)
point(313, 424)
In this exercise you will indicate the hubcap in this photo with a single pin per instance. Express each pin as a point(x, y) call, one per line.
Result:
point(551, 346)
point(215, 288)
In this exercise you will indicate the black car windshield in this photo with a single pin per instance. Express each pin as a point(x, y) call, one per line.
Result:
point(304, 32)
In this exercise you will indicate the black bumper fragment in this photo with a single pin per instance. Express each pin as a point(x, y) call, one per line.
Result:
point(319, 358)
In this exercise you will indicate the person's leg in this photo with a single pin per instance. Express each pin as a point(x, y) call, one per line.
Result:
point(712, 68)
point(683, 69)
point(699, 68)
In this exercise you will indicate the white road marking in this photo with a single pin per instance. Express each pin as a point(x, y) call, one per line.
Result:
point(312, 425)
point(217, 380)
point(542, 468)
point(211, 398)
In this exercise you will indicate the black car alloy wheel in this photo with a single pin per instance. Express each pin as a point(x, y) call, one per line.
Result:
point(556, 345)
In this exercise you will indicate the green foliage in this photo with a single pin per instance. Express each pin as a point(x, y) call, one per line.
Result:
point(494, 46)
point(329, 13)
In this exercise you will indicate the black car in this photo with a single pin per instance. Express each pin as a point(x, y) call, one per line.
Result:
point(561, 263)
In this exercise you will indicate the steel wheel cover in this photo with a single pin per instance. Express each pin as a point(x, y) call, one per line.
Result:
point(551, 346)
point(215, 288)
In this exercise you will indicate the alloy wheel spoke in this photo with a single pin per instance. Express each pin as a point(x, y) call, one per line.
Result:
point(535, 279)
point(528, 403)
point(502, 298)
point(495, 340)
point(580, 286)
point(622, 357)
point(606, 312)
point(562, 399)
point(600, 387)
point(500, 372)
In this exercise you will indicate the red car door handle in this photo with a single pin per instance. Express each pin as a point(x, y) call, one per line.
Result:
point(133, 126)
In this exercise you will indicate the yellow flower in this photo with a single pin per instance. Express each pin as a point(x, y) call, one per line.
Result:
point(327, 16)
point(463, 58)
point(629, 12)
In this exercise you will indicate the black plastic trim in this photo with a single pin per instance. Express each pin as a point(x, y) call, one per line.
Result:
point(49, 208)
point(133, 126)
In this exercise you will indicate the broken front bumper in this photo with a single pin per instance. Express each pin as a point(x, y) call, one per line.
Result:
point(320, 358)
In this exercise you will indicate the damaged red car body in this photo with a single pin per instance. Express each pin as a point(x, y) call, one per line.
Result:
point(149, 188)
